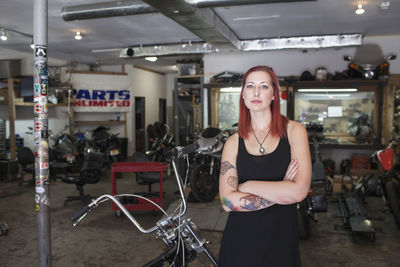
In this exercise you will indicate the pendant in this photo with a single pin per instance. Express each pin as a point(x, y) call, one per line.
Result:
point(261, 150)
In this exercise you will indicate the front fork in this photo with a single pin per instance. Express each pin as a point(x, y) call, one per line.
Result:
point(211, 166)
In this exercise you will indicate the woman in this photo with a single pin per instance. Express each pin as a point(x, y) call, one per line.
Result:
point(265, 171)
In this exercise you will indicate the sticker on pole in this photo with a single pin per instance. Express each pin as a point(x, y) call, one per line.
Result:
point(38, 125)
point(38, 108)
point(40, 51)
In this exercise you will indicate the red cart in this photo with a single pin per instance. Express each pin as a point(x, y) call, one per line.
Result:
point(138, 167)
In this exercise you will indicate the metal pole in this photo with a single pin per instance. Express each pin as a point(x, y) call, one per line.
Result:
point(40, 87)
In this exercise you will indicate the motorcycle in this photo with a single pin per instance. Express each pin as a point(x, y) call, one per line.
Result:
point(389, 180)
point(180, 234)
point(161, 146)
point(204, 178)
point(107, 143)
point(369, 63)
point(316, 200)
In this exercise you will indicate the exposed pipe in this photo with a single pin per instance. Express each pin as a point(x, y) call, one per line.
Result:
point(106, 9)
point(134, 7)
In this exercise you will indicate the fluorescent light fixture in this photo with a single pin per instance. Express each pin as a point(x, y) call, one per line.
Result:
point(78, 36)
point(231, 90)
point(257, 18)
point(314, 90)
point(360, 10)
point(3, 35)
point(320, 41)
point(151, 59)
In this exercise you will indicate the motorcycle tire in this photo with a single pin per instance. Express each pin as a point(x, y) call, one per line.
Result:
point(392, 191)
point(303, 223)
point(204, 186)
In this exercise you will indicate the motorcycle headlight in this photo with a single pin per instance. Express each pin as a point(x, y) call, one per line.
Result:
point(369, 74)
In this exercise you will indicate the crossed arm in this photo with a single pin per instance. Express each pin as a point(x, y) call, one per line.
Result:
point(255, 195)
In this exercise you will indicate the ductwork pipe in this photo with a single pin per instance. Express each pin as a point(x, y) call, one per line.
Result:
point(134, 7)
point(104, 10)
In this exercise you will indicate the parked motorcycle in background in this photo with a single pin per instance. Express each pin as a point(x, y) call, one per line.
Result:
point(369, 63)
point(389, 180)
point(107, 143)
point(204, 178)
point(161, 144)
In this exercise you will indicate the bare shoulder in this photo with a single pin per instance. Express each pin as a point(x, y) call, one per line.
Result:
point(232, 142)
point(296, 130)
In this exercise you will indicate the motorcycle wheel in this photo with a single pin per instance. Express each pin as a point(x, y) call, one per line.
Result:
point(392, 191)
point(303, 224)
point(204, 186)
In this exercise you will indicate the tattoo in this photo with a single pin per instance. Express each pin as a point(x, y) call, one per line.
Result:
point(227, 203)
point(226, 166)
point(233, 182)
point(253, 202)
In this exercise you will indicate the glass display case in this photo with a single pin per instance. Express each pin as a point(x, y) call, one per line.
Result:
point(347, 112)
point(346, 115)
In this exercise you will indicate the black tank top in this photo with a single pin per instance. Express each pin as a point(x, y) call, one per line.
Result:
point(266, 237)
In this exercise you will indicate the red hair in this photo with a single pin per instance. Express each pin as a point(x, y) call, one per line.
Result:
point(278, 121)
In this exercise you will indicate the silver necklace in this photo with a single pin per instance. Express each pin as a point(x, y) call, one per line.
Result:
point(261, 149)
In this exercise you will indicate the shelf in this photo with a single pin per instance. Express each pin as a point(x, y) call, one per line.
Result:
point(190, 76)
point(100, 122)
point(98, 72)
point(349, 146)
point(30, 104)
point(222, 85)
point(334, 83)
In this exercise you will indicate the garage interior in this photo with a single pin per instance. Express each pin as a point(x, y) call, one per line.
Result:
point(127, 81)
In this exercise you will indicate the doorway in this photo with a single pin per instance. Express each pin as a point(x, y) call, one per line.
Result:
point(162, 110)
point(140, 142)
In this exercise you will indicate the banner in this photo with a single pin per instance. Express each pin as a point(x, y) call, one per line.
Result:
point(102, 100)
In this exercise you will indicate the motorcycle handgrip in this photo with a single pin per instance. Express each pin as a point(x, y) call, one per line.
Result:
point(190, 148)
point(161, 258)
point(79, 213)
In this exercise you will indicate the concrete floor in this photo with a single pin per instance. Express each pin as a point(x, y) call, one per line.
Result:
point(103, 239)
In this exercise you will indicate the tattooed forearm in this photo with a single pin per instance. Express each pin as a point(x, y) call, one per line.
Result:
point(226, 166)
point(253, 202)
point(227, 203)
point(233, 182)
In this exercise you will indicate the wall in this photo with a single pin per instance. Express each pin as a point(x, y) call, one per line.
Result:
point(141, 83)
point(96, 81)
point(152, 86)
point(293, 61)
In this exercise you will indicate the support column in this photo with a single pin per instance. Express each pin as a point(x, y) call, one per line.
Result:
point(40, 87)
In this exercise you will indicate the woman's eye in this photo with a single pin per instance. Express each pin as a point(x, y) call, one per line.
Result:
point(264, 86)
point(249, 86)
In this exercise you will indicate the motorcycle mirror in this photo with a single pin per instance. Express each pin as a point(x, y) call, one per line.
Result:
point(347, 58)
point(391, 57)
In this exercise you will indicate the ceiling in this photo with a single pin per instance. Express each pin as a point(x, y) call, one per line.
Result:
point(163, 26)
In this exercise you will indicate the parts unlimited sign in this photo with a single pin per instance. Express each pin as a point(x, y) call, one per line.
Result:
point(102, 100)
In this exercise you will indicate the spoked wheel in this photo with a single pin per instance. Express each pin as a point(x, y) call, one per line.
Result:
point(204, 186)
point(393, 195)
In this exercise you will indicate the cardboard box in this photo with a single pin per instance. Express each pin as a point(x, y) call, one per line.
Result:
point(342, 180)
